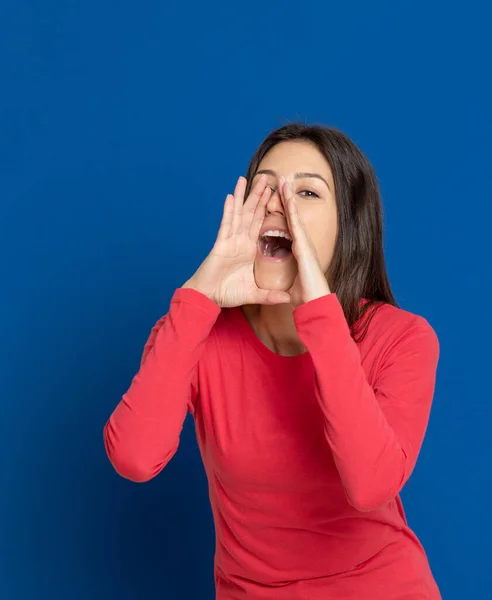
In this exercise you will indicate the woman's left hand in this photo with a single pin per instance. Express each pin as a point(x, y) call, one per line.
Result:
point(310, 282)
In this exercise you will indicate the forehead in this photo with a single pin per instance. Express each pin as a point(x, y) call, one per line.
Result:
point(292, 156)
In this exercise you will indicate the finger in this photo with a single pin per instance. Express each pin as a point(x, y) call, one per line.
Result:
point(271, 297)
point(227, 215)
point(287, 198)
point(259, 214)
point(238, 204)
point(282, 188)
point(256, 193)
point(252, 202)
point(296, 225)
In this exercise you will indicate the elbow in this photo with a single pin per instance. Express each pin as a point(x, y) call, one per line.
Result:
point(127, 463)
point(366, 505)
point(374, 493)
point(368, 500)
point(130, 470)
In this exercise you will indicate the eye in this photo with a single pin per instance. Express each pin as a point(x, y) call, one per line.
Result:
point(309, 194)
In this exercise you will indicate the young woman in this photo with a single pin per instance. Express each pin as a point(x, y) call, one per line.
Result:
point(310, 388)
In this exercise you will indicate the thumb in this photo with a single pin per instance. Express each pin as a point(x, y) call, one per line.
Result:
point(273, 297)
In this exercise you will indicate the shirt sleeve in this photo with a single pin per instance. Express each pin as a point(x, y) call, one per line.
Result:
point(375, 433)
point(142, 434)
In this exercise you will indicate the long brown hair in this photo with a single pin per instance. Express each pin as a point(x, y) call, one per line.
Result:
point(357, 271)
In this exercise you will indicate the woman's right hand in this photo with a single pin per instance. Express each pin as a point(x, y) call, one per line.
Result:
point(226, 276)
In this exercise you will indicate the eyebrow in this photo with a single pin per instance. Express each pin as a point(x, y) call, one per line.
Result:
point(296, 175)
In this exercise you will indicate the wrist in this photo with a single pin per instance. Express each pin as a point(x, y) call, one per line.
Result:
point(318, 291)
point(191, 284)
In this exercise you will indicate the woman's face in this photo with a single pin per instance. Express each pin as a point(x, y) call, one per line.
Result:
point(308, 173)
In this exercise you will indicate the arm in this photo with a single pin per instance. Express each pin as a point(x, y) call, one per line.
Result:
point(375, 434)
point(142, 434)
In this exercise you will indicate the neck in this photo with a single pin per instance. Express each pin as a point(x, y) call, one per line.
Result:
point(274, 326)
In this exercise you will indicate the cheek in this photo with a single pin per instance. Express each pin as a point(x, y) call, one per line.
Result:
point(323, 233)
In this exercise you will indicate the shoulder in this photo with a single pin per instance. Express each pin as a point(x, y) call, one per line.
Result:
point(394, 329)
point(396, 317)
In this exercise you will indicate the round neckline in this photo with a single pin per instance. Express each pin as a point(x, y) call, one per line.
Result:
point(250, 335)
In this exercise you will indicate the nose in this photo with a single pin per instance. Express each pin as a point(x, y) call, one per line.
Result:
point(275, 204)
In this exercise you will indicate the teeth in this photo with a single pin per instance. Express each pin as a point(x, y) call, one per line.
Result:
point(277, 233)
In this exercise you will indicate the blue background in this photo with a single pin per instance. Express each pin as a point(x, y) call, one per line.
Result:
point(123, 127)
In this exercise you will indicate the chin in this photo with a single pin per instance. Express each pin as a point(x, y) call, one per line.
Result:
point(271, 275)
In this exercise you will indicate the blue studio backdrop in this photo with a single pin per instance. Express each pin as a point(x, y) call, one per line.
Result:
point(123, 126)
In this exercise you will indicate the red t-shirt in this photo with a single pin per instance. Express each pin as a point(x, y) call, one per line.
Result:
point(305, 455)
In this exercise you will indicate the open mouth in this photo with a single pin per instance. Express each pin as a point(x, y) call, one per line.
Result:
point(275, 246)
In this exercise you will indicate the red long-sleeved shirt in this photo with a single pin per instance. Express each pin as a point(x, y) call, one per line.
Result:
point(305, 455)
